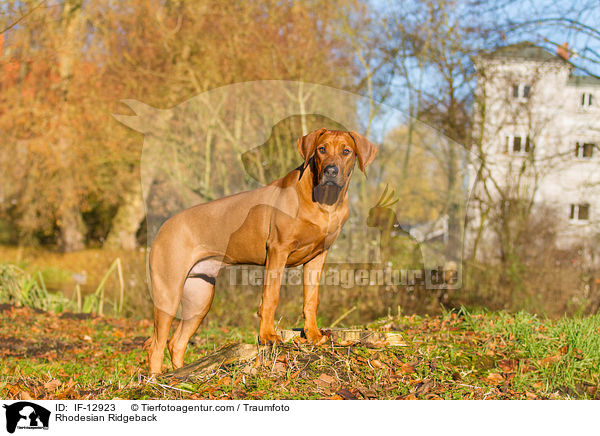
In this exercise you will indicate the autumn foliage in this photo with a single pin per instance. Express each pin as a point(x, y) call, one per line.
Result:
point(67, 166)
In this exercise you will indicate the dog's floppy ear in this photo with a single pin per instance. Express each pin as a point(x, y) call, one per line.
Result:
point(365, 150)
point(308, 143)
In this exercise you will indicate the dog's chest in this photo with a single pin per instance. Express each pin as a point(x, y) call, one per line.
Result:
point(303, 254)
point(313, 242)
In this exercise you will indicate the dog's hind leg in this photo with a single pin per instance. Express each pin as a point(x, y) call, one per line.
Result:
point(198, 293)
point(168, 278)
point(197, 299)
point(156, 344)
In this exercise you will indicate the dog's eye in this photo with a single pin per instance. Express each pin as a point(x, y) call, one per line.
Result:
point(322, 149)
point(346, 151)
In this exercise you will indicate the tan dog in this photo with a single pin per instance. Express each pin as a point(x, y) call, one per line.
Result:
point(290, 222)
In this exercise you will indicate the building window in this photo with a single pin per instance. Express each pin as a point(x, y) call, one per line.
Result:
point(516, 148)
point(521, 91)
point(587, 99)
point(517, 144)
point(580, 212)
point(584, 150)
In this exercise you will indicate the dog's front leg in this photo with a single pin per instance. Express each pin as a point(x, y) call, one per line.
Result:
point(312, 276)
point(276, 259)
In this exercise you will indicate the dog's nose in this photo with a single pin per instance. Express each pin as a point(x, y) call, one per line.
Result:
point(331, 171)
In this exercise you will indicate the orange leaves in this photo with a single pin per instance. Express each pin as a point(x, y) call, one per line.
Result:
point(67, 391)
point(280, 368)
point(404, 369)
point(225, 381)
point(52, 389)
point(17, 391)
point(495, 378)
point(508, 365)
point(25, 395)
point(52, 385)
point(325, 381)
point(549, 360)
point(328, 385)
point(555, 358)
point(377, 364)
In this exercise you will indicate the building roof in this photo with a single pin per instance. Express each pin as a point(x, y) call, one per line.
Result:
point(525, 50)
point(575, 80)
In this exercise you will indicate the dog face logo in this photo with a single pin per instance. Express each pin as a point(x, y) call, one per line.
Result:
point(26, 415)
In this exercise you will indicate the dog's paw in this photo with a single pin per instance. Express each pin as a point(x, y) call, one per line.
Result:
point(269, 338)
point(316, 337)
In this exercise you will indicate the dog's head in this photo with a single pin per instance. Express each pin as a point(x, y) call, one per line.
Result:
point(332, 154)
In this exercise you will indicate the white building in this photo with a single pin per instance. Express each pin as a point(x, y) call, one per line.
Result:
point(537, 138)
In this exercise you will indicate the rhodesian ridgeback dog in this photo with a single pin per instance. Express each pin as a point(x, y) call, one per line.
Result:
point(292, 221)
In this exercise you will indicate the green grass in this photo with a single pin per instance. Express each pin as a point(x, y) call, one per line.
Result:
point(573, 342)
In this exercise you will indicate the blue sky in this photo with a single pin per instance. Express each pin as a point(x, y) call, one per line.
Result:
point(551, 22)
point(543, 22)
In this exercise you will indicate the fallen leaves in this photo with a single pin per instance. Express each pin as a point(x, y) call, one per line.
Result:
point(280, 368)
point(52, 385)
point(377, 364)
point(405, 368)
point(508, 365)
point(325, 381)
point(423, 387)
point(68, 391)
point(495, 377)
point(550, 359)
point(346, 394)
point(24, 395)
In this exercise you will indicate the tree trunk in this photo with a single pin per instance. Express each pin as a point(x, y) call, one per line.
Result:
point(70, 221)
point(127, 221)
point(72, 230)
